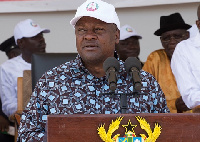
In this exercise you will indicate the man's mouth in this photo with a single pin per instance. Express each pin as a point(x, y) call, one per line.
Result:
point(90, 47)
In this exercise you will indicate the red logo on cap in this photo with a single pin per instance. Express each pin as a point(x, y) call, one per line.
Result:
point(33, 24)
point(92, 6)
point(129, 30)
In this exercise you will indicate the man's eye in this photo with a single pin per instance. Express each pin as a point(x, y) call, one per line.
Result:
point(166, 38)
point(34, 37)
point(99, 30)
point(123, 43)
point(81, 30)
point(177, 36)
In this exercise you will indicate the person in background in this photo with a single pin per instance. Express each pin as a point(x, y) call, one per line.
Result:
point(11, 50)
point(29, 37)
point(129, 45)
point(173, 30)
point(186, 68)
point(81, 86)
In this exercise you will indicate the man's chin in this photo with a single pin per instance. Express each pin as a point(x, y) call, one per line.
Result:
point(42, 51)
point(92, 59)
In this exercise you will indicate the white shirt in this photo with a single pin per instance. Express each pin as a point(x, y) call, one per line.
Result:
point(9, 72)
point(185, 66)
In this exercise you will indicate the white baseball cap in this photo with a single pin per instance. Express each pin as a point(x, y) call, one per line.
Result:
point(27, 28)
point(127, 31)
point(97, 9)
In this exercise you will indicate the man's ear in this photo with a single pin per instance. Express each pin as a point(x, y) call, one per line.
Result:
point(19, 43)
point(187, 35)
point(198, 24)
point(117, 36)
point(160, 38)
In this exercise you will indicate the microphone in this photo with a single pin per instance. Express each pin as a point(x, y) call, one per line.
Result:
point(111, 67)
point(133, 67)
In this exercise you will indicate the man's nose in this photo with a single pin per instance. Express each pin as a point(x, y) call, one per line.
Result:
point(172, 39)
point(90, 34)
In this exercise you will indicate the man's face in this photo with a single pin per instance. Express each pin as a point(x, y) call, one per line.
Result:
point(95, 39)
point(170, 39)
point(198, 15)
point(198, 24)
point(129, 47)
point(34, 44)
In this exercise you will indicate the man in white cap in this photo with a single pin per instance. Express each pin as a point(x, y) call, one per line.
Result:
point(80, 86)
point(129, 45)
point(29, 37)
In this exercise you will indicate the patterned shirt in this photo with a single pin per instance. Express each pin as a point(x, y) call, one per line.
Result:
point(71, 89)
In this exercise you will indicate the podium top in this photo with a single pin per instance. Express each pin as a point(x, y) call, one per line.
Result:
point(175, 127)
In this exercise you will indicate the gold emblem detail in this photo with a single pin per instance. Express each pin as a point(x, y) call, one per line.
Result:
point(129, 134)
point(145, 126)
point(129, 127)
point(106, 137)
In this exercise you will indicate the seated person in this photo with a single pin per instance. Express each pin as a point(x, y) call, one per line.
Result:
point(11, 50)
point(80, 86)
point(173, 30)
point(29, 38)
point(129, 45)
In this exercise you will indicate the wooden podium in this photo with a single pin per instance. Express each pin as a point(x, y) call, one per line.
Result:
point(74, 128)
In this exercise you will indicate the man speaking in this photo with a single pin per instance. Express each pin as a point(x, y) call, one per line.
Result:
point(81, 86)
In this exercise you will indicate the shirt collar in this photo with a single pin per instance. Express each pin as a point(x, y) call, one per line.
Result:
point(196, 40)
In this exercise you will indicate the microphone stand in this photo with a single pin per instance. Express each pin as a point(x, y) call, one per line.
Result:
point(123, 103)
point(123, 99)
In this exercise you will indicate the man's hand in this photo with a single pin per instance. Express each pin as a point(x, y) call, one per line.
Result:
point(196, 109)
point(4, 124)
point(180, 105)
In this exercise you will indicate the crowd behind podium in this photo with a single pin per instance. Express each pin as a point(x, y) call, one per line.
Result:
point(81, 86)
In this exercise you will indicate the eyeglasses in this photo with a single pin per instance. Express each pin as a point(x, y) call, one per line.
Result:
point(167, 38)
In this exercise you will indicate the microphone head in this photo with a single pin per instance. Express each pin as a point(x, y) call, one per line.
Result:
point(111, 62)
point(132, 62)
